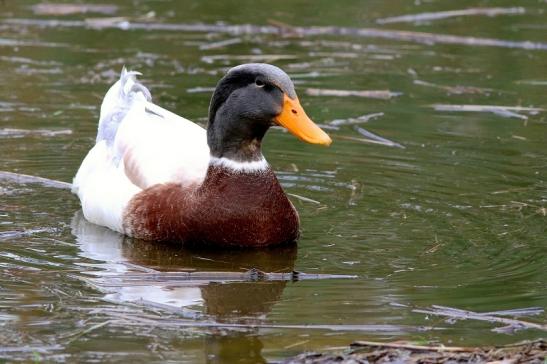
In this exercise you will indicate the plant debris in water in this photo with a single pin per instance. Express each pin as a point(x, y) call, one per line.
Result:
point(512, 325)
point(373, 352)
point(374, 94)
point(377, 138)
point(504, 111)
point(241, 29)
point(18, 133)
point(456, 90)
point(70, 9)
point(358, 120)
point(20, 178)
point(423, 17)
point(183, 278)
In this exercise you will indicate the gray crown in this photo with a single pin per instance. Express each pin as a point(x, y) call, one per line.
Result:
point(273, 74)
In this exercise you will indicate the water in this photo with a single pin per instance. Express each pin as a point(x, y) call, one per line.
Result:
point(456, 218)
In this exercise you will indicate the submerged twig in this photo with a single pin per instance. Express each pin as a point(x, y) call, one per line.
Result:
point(248, 58)
point(138, 267)
point(355, 139)
point(25, 178)
point(10, 132)
point(127, 319)
point(192, 278)
point(220, 44)
point(87, 331)
point(512, 324)
point(358, 120)
point(30, 349)
point(451, 13)
point(447, 107)
point(533, 82)
point(504, 111)
point(377, 138)
point(14, 234)
point(528, 311)
point(456, 90)
point(199, 89)
point(305, 199)
point(410, 346)
point(69, 9)
point(373, 94)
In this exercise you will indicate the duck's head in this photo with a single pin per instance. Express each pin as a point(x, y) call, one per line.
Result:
point(247, 101)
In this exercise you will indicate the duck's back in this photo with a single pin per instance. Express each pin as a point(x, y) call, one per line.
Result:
point(138, 145)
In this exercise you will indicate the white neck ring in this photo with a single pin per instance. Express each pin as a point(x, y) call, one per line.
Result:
point(260, 165)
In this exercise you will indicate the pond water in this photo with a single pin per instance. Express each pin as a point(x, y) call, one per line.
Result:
point(455, 218)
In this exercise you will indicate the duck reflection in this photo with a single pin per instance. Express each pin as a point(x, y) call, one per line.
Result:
point(238, 302)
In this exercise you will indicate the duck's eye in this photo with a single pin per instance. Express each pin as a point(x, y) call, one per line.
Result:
point(259, 83)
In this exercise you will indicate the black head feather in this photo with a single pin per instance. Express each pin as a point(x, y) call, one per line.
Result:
point(242, 109)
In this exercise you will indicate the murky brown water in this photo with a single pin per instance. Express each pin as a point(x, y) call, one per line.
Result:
point(456, 218)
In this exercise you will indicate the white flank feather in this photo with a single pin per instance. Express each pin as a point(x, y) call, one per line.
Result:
point(103, 188)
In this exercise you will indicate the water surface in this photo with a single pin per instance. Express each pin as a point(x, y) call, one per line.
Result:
point(456, 218)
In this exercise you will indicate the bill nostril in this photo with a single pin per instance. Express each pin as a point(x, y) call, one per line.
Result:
point(294, 111)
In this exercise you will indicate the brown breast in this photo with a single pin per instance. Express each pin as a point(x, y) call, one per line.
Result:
point(228, 208)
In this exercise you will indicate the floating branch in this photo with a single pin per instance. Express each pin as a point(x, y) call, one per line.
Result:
point(358, 120)
point(14, 234)
point(69, 9)
point(446, 107)
point(126, 319)
point(456, 90)
point(408, 36)
point(377, 138)
point(221, 44)
point(504, 111)
point(512, 324)
point(248, 57)
point(362, 343)
point(374, 94)
point(355, 139)
point(193, 278)
point(17, 133)
point(323, 126)
point(25, 178)
point(199, 89)
point(102, 23)
point(452, 13)
point(528, 311)
point(303, 198)
point(532, 82)
point(86, 331)
point(6, 42)
point(30, 349)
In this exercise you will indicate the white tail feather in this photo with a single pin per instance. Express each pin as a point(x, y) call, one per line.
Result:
point(118, 101)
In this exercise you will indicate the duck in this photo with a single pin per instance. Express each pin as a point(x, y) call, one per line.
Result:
point(156, 176)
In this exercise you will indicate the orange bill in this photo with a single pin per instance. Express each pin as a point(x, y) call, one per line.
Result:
point(294, 118)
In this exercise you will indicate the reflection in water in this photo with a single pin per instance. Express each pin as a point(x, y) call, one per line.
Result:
point(102, 244)
point(241, 348)
point(121, 255)
point(239, 302)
